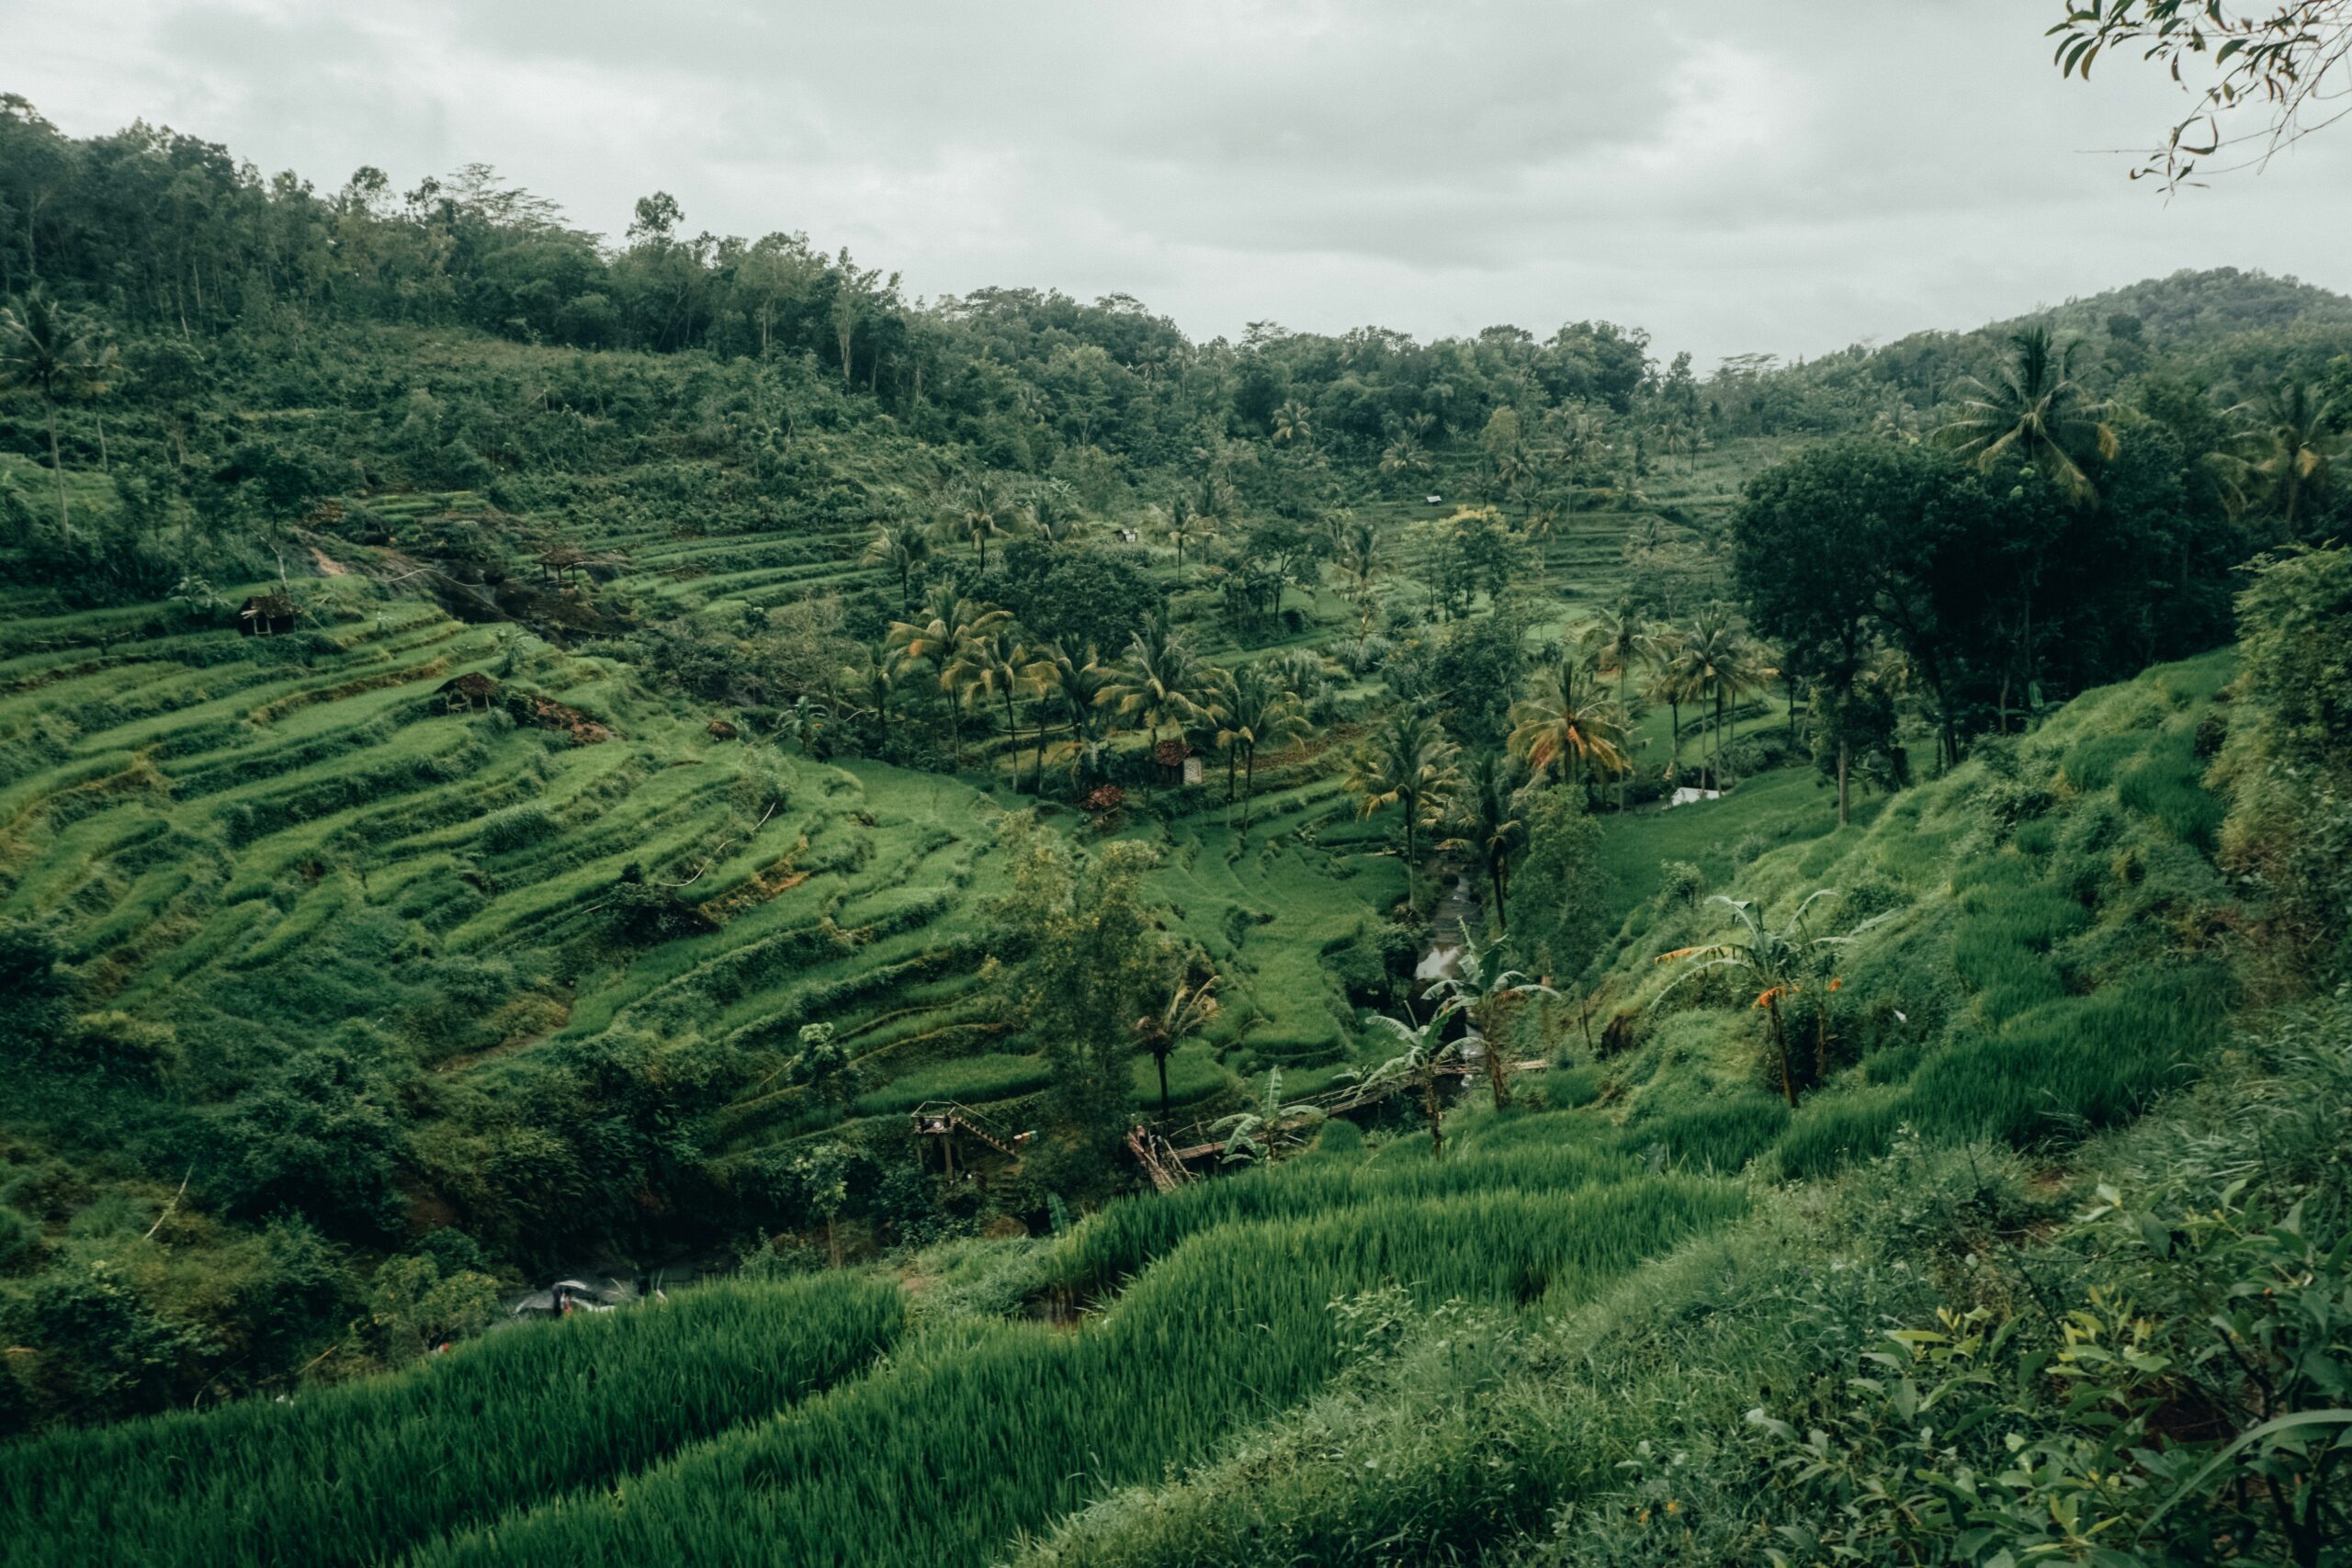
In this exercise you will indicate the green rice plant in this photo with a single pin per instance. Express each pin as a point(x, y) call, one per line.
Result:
point(2169, 785)
point(974, 1435)
point(360, 1473)
point(974, 1080)
point(1837, 1130)
point(2075, 1065)
point(1119, 1242)
point(1720, 1137)
point(2091, 762)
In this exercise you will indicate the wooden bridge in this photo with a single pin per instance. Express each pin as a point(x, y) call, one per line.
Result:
point(947, 1120)
point(1169, 1163)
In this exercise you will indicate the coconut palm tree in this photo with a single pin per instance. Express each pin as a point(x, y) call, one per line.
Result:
point(1779, 962)
point(1252, 708)
point(1407, 762)
point(1070, 691)
point(1156, 683)
point(1294, 424)
point(1185, 1013)
point(1198, 514)
point(1565, 719)
point(1482, 987)
point(869, 681)
point(993, 663)
point(981, 509)
point(2289, 449)
point(929, 641)
point(902, 546)
point(1487, 821)
point(1716, 664)
point(1356, 561)
point(59, 355)
point(2033, 411)
point(1052, 513)
point(1664, 685)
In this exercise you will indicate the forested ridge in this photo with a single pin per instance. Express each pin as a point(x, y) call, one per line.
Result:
point(524, 753)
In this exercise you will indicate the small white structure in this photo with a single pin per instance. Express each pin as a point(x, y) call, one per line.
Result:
point(1129, 536)
point(1686, 794)
point(1191, 770)
point(1434, 499)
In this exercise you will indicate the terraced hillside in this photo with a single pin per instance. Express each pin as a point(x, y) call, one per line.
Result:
point(253, 843)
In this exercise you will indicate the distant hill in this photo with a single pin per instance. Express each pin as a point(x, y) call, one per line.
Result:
point(2194, 305)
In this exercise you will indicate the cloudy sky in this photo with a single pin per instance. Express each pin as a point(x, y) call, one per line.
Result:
point(1787, 175)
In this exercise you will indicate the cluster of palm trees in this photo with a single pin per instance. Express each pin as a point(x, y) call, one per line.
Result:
point(975, 510)
point(1573, 725)
point(1157, 687)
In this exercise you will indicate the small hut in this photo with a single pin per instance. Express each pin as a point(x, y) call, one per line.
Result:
point(465, 690)
point(267, 614)
point(721, 730)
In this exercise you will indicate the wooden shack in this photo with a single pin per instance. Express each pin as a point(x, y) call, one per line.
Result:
point(267, 614)
point(468, 690)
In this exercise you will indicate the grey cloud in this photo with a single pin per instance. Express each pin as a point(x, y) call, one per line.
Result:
point(1790, 177)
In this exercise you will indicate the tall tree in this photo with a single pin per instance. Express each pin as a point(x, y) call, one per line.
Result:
point(1407, 761)
point(902, 546)
point(1253, 707)
point(2289, 450)
point(1187, 1010)
point(1156, 683)
point(61, 356)
point(1488, 820)
point(2033, 411)
point(1565, 719)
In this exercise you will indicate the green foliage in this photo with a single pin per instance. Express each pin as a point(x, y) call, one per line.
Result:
point(529, 1413)
point(1721, 1138)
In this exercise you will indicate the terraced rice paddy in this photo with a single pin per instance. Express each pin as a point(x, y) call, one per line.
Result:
point(704, 1430)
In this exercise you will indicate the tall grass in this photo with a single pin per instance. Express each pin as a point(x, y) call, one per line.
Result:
point(1120, 1241)
point(360, 1473)
point(973, 1437)
point(1720, 1137)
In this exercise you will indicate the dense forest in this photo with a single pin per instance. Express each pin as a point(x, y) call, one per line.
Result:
point(524, 754)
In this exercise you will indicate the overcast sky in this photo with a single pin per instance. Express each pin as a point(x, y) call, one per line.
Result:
point(1787, 175)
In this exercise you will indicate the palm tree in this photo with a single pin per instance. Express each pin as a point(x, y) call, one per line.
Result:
point(1421, 1054)
point(2034, 412)
point(1405, 455)
point(1252, 707)
point(1481, 986)
point(868, 681)
point(1197, 514)
point(1185, 1013)
point(1250, 1134)
point(1488, 822)
point(931, 638)
point(2288, 448)
point(59, 355)
point(1294, 422)
point(1565, 719)
point(1715, 664)
point(1664, 685)
point(981, 511)
point(993, 662)
point(903, 546)
point(1156, 681)
point(1778, 961)
point(1071, 690)
point(1355, 557)
point(1054, 511)
point(1407, 762)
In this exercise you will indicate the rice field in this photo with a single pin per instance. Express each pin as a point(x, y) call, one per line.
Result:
point(368, 1471)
